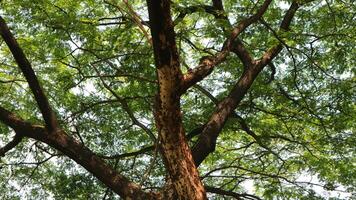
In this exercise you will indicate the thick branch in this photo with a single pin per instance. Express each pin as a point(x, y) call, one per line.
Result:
point(241, 121)
point(25, 66)
point(79, 153)
point(207, 65)
point(218, 11)
point(237, 47)
point(273, 52)
point(207, 140)
point(240, 50)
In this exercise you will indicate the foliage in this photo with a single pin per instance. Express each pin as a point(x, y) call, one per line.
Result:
point(301, 107)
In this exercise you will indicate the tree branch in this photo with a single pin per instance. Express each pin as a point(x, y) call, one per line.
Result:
point(134, 153)
point(207, 65)
point(207, 140)
point(125, 106)
point(235, 195)
point(273, 51)
point(12, 144)
point(240, 50)
point(146, 149)
point(237, 47)
point(192, 9)
point(137, 19)
point(25, 66)
point(218, 11)
point(79, 153)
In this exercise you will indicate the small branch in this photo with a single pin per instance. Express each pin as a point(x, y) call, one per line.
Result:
point(189, 136)
point(87, 106)
point(137, 19)
point(235, 195)
point(207, 94)
point(34, 170)
point(130, 154)
point(257, 138)
point(192, 9)
point(12, 144)
point(134, 17)
point(11, 81)
point(125, 106)
point(219, 13)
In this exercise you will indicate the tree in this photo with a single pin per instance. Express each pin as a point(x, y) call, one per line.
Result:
point(177, 99)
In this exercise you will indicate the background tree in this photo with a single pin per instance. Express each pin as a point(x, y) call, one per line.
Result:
point(177, 99)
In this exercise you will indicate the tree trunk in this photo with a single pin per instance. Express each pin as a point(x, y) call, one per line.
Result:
point(173, 146)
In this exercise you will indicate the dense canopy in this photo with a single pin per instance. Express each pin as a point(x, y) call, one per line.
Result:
point(177, 99)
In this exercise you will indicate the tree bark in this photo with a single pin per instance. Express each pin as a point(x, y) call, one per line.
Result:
point(80, 154)
point(175, 151)
point(207, 139)
point(56, 137)
point(26, 68)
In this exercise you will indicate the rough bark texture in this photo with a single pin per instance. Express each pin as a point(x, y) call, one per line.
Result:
point(80, 154)
point(207, 139)
point(181, 163)
point(175, 151)
point(53, 136)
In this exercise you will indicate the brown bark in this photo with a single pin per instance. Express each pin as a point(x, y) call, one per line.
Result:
point(53, 136)
point(180, 162)
point(12, 144)
point(26, 68)
point(175, 151)
point(207, 139)
point(80, 154)
point(208, 64)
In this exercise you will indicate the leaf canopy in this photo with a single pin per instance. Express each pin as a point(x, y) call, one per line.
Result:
point(300, 109)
